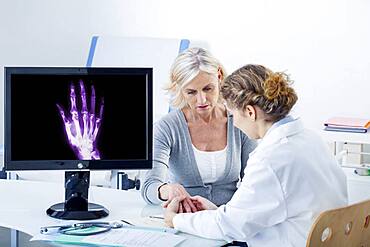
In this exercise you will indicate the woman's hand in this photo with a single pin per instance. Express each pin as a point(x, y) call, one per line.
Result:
point(170, 191)
point(202, 203)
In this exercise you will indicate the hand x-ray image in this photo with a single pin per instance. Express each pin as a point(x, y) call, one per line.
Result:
point(82, 124)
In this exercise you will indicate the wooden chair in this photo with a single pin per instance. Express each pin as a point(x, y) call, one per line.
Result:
point(342, 227)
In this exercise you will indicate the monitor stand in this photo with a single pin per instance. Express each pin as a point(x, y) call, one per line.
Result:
point(76, 205)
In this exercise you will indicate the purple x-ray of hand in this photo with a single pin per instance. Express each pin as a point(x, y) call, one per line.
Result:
point(82, 126)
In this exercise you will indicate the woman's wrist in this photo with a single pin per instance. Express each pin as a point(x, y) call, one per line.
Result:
point(168, 218)
point(162, 189)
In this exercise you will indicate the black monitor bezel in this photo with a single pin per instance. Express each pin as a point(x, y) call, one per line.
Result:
point(11, 165)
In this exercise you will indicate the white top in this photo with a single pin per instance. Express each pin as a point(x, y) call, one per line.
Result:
point(289, 179)
point(211, 164)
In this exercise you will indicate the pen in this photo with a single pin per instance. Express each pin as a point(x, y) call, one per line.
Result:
point(128, 223)
point(156, 217)
point(156, 229)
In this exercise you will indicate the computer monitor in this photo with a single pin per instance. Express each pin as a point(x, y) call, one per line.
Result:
point(78, 119)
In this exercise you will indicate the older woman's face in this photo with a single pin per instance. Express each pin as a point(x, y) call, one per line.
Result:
point(201, 94)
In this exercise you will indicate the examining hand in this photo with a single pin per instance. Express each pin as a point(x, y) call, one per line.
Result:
point(174, 206)
point(82, 126)
point(172, 209)
point(202, 203)
point(170, 191)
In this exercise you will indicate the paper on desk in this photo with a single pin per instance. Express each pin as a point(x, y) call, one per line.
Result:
point(152, 221)
point(118, 237)
point(134, 237)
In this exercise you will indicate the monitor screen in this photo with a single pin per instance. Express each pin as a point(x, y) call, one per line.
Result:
point(78, 118)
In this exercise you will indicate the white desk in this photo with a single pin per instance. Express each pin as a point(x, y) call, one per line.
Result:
point(358, 186)
point(23, 205)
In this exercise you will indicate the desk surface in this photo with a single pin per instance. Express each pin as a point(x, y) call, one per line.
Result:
point(23, 205)
point(23, 239)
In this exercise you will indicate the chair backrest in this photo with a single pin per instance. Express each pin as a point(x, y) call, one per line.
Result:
point(347, 226)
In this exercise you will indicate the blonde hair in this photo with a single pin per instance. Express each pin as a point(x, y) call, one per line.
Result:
point(258, 85)
point(186, 67)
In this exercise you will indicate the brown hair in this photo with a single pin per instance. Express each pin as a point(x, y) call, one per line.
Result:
point(258, 85)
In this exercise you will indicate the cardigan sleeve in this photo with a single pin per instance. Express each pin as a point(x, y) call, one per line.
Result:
point(161, 154)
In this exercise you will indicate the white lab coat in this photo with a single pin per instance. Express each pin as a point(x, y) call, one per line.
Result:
point(289, 179)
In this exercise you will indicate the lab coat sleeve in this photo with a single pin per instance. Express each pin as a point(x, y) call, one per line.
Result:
point(259, 203)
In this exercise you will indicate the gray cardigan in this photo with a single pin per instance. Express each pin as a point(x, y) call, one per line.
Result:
point(173, 156)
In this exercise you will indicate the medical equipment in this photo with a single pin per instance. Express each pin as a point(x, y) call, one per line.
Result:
point(362, 169)
point(91, 228)
point(82, 229)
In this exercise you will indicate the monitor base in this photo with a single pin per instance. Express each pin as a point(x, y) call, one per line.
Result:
point(94, 211)
point(76, 205)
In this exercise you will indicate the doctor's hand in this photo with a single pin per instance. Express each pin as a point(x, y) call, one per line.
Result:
point(172, 209)
point(169, 191)
point(202, 203)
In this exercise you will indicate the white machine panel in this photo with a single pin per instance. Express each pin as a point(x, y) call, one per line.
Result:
point(110, 51)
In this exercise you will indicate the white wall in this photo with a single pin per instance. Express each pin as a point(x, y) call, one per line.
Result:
point(323, 44)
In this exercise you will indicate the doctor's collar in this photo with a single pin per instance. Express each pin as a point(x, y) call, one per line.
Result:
point(282, 121)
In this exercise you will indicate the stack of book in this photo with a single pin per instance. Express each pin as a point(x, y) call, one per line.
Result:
point(344, 124)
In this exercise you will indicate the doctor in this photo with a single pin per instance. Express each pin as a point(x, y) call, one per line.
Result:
point(290, 177)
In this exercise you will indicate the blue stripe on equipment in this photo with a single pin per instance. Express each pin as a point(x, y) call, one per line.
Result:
point(94, 40)
point(184, 44)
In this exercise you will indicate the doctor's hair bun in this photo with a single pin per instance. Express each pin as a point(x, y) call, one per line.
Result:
point(258, 85)
point(276, 85)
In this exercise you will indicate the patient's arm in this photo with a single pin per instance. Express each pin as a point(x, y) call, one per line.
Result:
point(82, 126)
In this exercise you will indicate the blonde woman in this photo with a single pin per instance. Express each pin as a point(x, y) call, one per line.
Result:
point(197, 150)
point(290, 177)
